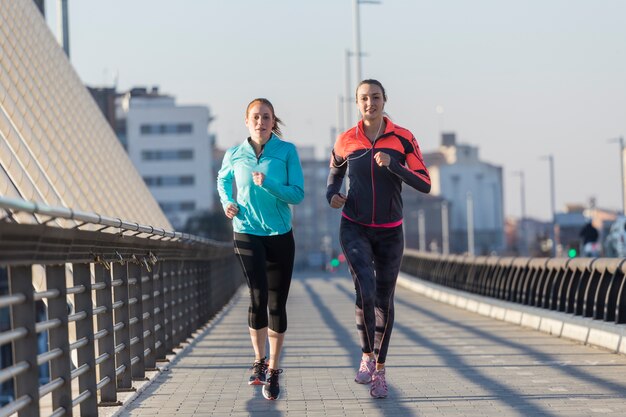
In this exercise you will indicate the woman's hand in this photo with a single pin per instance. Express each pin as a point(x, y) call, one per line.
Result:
point(338, 200)
point(382, 159)
point(258, 178)
point(231, 210)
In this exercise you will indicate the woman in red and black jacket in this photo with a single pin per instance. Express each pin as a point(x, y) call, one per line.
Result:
point(378, 157)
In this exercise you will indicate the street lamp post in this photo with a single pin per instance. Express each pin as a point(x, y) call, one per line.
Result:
point(357, 34)
point(555, 234)
point(348, 92)
point(421, 222)
point(445, 234)
point(524, 245)
point(621, 165)
point(470, 224)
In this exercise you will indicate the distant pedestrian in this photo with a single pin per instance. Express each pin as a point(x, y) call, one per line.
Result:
point(589, 236)
point(378, 157)
point(268, 178)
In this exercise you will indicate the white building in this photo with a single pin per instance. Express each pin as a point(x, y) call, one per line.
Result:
point(171, 148)
point(456, 173)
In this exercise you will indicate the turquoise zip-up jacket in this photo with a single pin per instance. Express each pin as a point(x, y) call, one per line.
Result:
point(263, 210)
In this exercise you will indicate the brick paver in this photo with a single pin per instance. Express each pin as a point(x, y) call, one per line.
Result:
point(442, 361)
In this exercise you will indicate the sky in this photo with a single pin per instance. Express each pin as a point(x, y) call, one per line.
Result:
point(518, 79)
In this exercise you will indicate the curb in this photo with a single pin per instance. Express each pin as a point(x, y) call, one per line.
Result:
point(585, 330)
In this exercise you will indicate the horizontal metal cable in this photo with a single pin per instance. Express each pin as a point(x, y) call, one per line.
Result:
point(15, 406)
point(78, 289)
point(102, 358)
point(9, 300)
point(120, 370)
point(99, 310)
point(59, 412)
point(47, 325)
point(81, 397)
point(81, 315)
point(51, 386)
point(84, 368)
point(12, 335)
point(100, 334)
point(53, 293)
point(48, 356)
point(13, 371)
point(83, 341)
point(103, 382)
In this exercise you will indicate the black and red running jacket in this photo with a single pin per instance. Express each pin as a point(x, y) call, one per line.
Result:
point(374, 196)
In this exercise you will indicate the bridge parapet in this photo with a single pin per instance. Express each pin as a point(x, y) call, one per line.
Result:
point(97, 304)
point(586, 287)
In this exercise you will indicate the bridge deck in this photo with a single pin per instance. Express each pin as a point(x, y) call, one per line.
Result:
point(443, 361)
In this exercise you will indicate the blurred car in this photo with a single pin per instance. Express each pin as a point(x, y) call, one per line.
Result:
point(615, 241)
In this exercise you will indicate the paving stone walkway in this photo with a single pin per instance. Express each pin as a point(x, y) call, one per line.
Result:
point(442, 361)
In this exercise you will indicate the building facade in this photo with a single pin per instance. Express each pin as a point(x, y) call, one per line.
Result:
point(171, 148)
point(315, 223)
point(469, 185)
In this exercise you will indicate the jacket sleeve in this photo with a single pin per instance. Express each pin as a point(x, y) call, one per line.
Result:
point(225, 180)
point(414, 171)
point(338, 166)
point(293, 191)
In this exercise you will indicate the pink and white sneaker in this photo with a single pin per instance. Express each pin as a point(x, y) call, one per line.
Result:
point(379, 385)
point(364, 375)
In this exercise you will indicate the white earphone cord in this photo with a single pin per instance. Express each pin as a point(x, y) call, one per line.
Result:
point(368, 151)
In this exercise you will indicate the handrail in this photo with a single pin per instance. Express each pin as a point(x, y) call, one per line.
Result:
point(587, 287)
point(53, 212)
point(132, 297)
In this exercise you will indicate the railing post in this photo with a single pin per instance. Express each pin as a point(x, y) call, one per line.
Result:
point(159, 310)
point(84, 329)
point(135, 310)
point(177, 328)
point(59, 339)
point(25, 348)
point(148, 308)
point(168, 272)
point(122, 327)
point(203, 291)
point(106, 342)
point(188, 307)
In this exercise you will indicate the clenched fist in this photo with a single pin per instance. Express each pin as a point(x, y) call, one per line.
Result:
point(231, 210)
point(258, 178)
point(382, 159)
point(338, 200)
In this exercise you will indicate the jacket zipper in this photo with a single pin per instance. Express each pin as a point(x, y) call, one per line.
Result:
point(373, 185)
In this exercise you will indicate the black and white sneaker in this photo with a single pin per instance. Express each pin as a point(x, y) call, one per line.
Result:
point(259, 369)
point(271, 391)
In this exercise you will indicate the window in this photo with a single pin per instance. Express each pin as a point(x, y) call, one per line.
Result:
point(167, 155)
point(169, 181)
point(166, 128)
point(172, 206)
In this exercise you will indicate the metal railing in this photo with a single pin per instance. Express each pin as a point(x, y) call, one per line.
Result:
point(106, 307)
point(586, 287)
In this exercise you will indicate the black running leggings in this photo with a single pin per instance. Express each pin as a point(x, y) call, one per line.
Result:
point(267, 263)
point(374, 255)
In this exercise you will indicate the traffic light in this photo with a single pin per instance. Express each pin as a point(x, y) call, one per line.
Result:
point(572, 249)
point(334, 262)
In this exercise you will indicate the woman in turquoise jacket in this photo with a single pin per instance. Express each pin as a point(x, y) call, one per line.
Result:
point(268, 178)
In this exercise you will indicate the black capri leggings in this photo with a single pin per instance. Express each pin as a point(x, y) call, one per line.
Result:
point(267, 263)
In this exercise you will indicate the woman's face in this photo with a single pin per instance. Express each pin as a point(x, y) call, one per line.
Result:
point(370, 101)
point(260, 121)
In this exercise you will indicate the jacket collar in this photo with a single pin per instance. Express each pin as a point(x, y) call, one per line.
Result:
point(270, 142)
point(389, 127)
